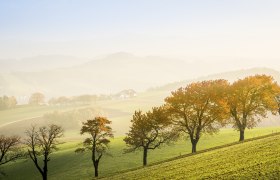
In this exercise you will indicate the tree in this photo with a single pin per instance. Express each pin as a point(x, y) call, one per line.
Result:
point(37, 99)
point(7, 102)
point(43, 142)
point(149, 131)
point(277, 98)
point(9, 149)
point(199, 108)
point(100, 133)
point(250, 99)
point(12, 102)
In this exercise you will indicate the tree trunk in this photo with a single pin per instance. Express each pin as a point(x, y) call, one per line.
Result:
point(45, 175)
point(241, 138)
point(194, 143)
point(96, 169)
point(145, 153)
point(45, 168)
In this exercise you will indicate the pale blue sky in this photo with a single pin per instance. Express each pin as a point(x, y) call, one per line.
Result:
point(88, 28)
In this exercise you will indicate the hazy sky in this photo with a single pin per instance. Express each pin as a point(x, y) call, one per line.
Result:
point(174, 28)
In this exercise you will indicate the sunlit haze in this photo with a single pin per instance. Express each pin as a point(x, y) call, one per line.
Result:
point(146, 89)
point(190, 30)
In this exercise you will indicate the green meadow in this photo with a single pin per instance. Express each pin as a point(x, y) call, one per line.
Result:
point(257, 159)
point(65, 164)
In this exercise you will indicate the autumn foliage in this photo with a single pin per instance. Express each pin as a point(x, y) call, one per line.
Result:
point(250, 99)
point(149, 131)
point(100, 133)
point(199, 108)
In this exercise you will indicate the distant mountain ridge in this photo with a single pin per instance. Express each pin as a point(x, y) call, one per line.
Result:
point(230, 76)
point(109, 75)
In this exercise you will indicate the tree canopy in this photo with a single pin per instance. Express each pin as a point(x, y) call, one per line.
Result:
point(37, 99)
point(7, 102)
point(250, 99)
point(149, 131)
point(100, 133)
point(199, 108)
point(42, 142)
point(9, 149)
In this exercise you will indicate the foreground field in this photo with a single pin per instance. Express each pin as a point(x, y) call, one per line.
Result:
point(65, 164)
point(258, 159)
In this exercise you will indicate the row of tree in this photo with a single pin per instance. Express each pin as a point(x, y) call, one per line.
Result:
point(38, 145)
point(203, 108)
point(7, 102)
point(200, 108)
point(41, 142)
point(83, 99)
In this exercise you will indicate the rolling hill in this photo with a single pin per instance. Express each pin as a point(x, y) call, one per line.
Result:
point(230, 76)
point(68, 76)
point(66, 164)
point(258, 159)
point(110, 74)
point(119, 111)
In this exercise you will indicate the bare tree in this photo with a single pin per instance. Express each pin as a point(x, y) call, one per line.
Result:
point(43, 142)
point(9, 149)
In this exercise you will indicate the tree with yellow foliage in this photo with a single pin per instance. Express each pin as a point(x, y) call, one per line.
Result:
point(149, 131)
point(199, 108)
point(250, 99)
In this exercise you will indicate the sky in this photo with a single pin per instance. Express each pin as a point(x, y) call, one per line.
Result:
point(208, 30)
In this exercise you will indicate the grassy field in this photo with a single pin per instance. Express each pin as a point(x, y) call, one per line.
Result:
point(28, 112)
point(258, 159)
point(17, 120)
point(65, 164)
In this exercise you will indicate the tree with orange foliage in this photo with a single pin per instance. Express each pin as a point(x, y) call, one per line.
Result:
point(37, 99)
point(199, 108)
point(277, 98)
point(100, 131)
point(250, 99)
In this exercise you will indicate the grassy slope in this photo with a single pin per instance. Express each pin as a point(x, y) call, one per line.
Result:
point(65, 164)
point(119, 111)
point(259, 159)
point(28, 112)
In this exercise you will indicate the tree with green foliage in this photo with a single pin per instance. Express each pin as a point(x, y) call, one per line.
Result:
point(250, 99)
point(42, 142)
point(199, 108)
point(100, 133)
point(149, 131)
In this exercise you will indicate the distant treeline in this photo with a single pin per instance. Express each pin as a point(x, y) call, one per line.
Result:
point(86, 99)
point(38, 98)
point(7, 102)
point(82, 99)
